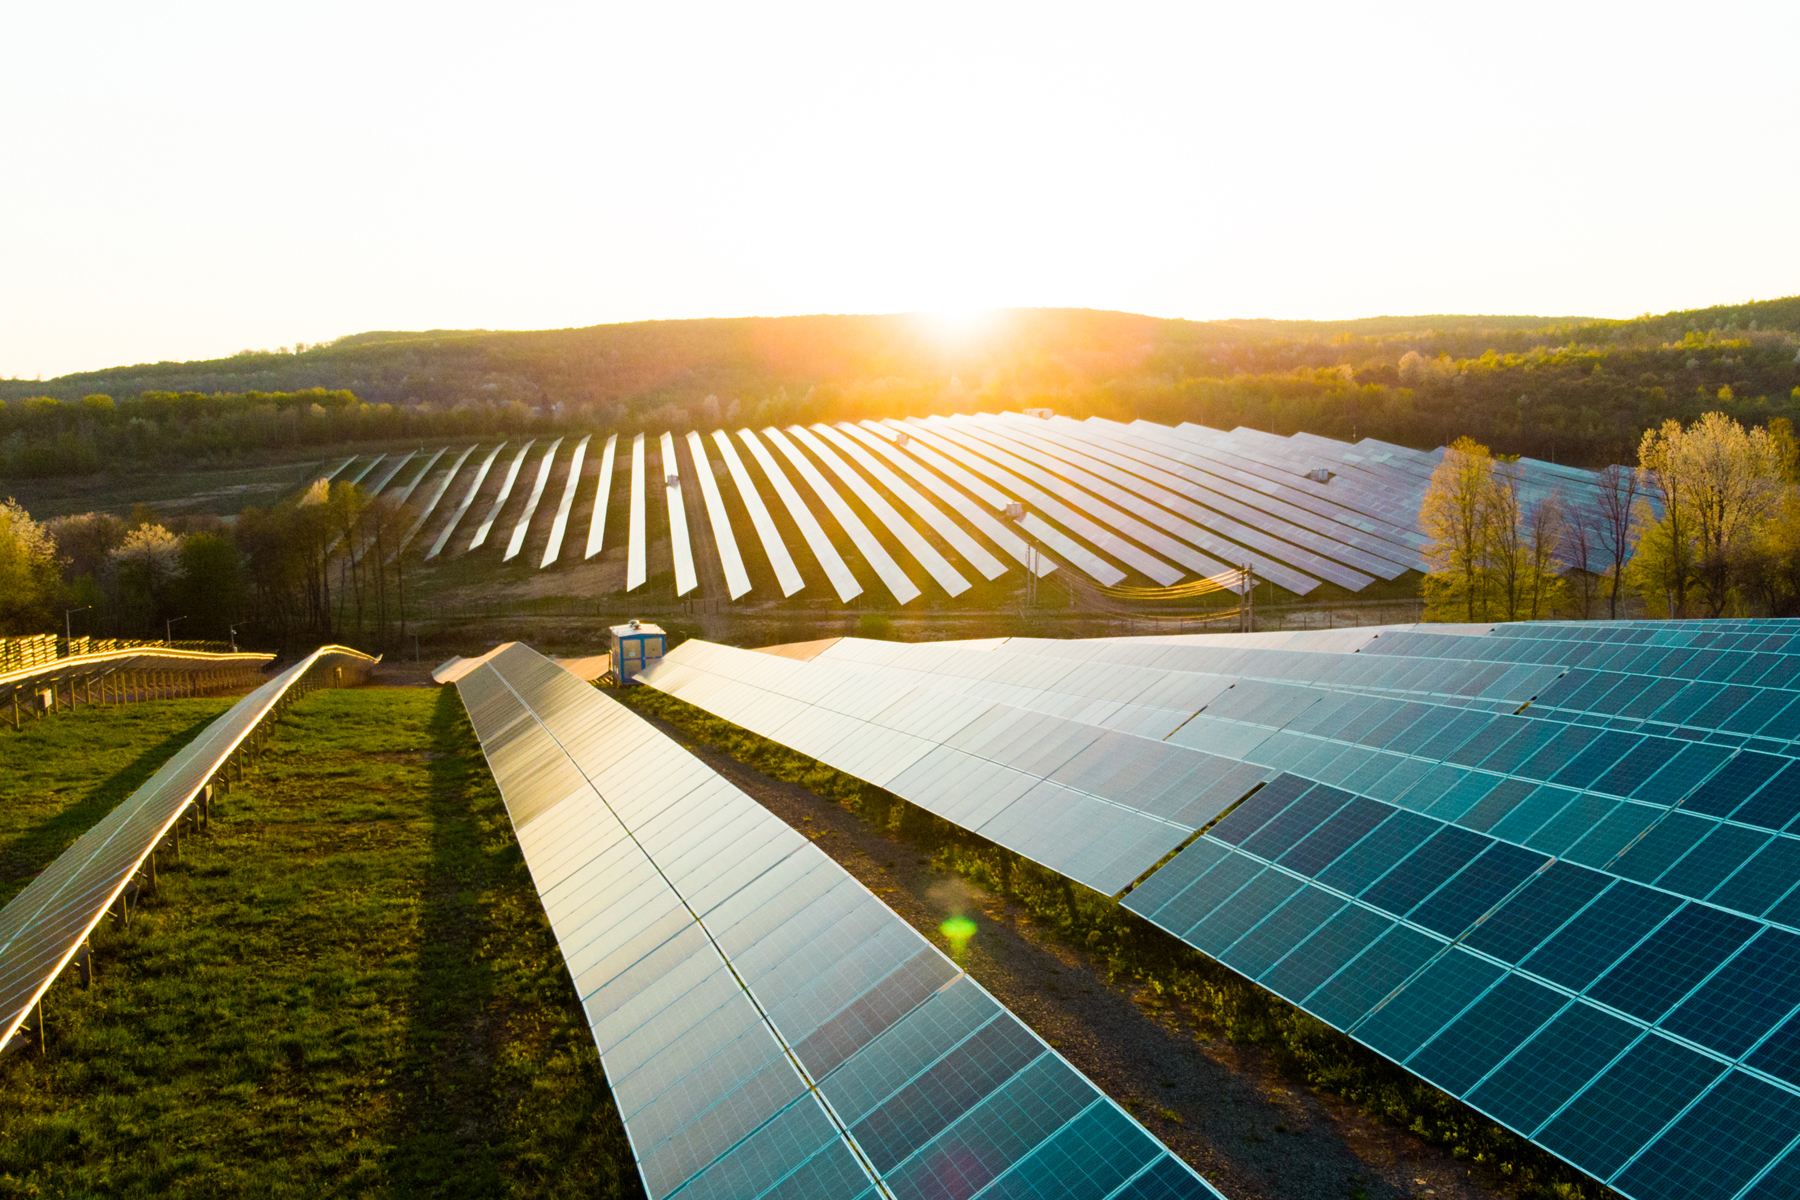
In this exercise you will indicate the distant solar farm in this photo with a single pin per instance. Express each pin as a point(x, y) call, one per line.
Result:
point(902, 509)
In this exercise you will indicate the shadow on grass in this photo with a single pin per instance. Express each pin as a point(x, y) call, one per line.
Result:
point(24, 856)
point(451, 1120)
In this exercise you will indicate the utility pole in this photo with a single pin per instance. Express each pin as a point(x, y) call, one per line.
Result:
point(1247, 610)
point(1015, 512)
point(68, 629)
point(169, 631)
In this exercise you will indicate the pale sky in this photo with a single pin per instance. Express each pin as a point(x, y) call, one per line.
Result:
point(187, 180)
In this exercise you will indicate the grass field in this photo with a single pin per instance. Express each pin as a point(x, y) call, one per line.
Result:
point(346, 988)
point(59, 775)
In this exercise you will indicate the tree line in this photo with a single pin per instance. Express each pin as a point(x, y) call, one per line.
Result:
point(42, 437)
point(1705, 524)
point(319, 567)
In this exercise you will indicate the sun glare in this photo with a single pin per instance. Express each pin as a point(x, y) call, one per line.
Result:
point(958, 325)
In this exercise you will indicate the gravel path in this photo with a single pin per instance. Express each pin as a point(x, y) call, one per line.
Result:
point(1254, 1133)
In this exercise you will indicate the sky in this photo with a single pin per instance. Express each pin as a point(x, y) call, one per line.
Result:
point(187, 180)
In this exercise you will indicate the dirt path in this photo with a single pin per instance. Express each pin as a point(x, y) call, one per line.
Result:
point(1255, 1134)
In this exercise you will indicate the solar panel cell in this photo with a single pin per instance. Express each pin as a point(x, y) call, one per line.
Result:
point(1323, 954)
point(1672, 961)
point(1367, 980)
point(1426, 1004)
point(1376, 854)
point(1708, 864)
point(1767, 877)
point(1261, 947)
point(1557, 1062)
point(1541, 908)
point(1745, 999)
point(1628, 1105)
point(1717, 1147)
point(1426, 869)
point(1492, 1027)
point(1602, 934)
point(1499, 871)
point(1233, 919)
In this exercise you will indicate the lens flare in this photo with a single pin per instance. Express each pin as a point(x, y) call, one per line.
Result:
point(959, 930)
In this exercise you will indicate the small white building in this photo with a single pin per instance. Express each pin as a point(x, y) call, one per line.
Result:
point(635, 647)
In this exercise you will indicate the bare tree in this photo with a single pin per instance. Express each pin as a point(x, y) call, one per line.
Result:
point(1614, 506)
point(1546, 527)
point(1506, 557)
point(1581, 550)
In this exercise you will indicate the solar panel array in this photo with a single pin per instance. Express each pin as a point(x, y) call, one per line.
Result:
point(44, 926)
point(916, 507)
point(769, 1027)
point(109, 665)
point(1551, 868)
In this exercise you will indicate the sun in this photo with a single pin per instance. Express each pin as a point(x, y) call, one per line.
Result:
point(958, 326)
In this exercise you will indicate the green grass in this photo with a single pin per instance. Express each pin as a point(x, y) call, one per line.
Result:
point(1215, 1001)
point(63, 773)
point(346, 988)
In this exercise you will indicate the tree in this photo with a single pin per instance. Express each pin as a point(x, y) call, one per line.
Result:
point(147, 562)
point(1454, 516)
point(1718, 483)
point(1506, 556)
point(1581, 550)
point(1615, 502)
point(28, 572)
point(1545, 532)
point(212, 585)
point(1669, 569)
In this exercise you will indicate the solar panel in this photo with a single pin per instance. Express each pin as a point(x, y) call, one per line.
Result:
point(1124, 508)
point(766, 1024)
point(829, 559)
point(338, 470)
point(387, 476)
point(780, 561)
point(364, 473)
point(400, 502)
point(462, 509)
point(602, 495)
point(637, 560)
point(1254, 497)
point(874, 553)
point(407, 491)
point(437, 494)
point(845, 439)
point(967, 470)
point(989, 766)
point(1059, 500)
point(560, 525)
point(523, 524)
point(1258, 529)
point(506, 487)
point(922, 551)
point(680, 547)
point(46, 925)
point(730, 561)
point(1589, 932)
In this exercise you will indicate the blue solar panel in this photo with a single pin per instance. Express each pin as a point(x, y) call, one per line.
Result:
point(1516, 905)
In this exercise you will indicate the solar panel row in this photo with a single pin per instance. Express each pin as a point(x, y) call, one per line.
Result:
point(44, 927)
point(768, 1027)
point(1111, 500)
point(1581, 917)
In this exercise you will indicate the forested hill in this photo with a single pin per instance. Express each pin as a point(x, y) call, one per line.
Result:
point(1571, 389)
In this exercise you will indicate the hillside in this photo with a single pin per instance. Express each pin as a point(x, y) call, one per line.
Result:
point(1573, 390)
